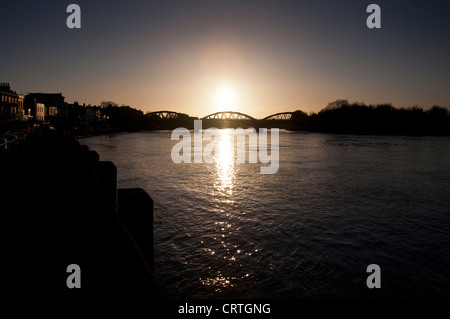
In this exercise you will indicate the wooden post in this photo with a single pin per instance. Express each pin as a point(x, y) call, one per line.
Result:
point(135, 208)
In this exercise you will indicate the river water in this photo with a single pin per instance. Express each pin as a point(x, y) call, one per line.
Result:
point(337, 204)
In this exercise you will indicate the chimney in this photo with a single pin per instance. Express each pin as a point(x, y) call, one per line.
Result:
point(5, 86)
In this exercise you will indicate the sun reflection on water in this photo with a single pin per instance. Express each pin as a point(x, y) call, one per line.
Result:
point(219, 281)
point(224, 160)
point(222, 250)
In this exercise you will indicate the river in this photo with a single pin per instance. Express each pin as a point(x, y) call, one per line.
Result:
point(337, 204)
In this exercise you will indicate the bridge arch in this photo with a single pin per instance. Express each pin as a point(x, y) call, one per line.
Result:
point(228, 115)
point(280, 116)
point(164, 115)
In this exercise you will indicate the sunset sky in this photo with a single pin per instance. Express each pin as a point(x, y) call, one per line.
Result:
point(256, 57)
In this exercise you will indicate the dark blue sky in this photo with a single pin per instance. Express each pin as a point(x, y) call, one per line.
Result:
point(272, 55)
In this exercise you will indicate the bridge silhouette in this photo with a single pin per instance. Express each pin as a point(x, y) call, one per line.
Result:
point(226, 119)
point(285, 116)
point(166, 115)
point(228, 115)
point(225, 115)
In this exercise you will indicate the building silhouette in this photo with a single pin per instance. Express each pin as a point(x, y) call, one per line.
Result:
point(55, 105)
point(11, 106)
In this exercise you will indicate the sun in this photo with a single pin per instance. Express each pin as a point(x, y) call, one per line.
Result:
point(225, 98)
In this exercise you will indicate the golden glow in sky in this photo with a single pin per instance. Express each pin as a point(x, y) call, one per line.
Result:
point(225, 99)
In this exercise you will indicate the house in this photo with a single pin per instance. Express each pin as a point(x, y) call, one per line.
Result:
point(9, 106)
point(54, 100)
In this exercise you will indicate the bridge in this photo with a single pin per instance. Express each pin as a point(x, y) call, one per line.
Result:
point(166, 115)
point(228, 115)
point(284, 116)
point(170, 120)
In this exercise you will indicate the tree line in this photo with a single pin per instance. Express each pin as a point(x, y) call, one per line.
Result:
point(358, 118)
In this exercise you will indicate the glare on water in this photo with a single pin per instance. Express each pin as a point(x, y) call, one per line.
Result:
point(337, 204)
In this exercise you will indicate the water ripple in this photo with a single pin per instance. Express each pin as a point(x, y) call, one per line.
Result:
point(337, 204)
